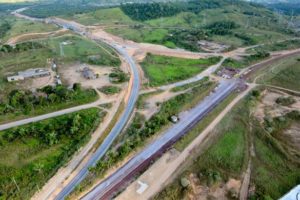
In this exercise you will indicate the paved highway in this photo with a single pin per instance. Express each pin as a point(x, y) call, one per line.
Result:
point(115, 131)
point(112, 184)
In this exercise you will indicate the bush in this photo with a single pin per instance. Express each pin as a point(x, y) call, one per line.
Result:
point(285, 101)
point(109, 89)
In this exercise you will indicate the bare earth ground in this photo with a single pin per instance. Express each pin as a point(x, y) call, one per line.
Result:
point(269, 107)
point(151, 102)
point(162, 170)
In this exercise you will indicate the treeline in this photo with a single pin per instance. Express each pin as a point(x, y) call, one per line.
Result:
point(20, 47)
point(221, 27)
point(42, 148)
point(4, 28)
point(26, 102)
point(57, 8)
point(142, 12)
point(189, 38)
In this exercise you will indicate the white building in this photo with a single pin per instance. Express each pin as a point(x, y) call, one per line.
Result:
point(30, 73)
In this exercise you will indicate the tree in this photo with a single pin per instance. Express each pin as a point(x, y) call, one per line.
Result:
point(75, 124)
point(52, 98)
point(51, 138)
point(77, 87)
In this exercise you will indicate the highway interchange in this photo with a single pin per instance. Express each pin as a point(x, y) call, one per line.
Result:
point(113, 183)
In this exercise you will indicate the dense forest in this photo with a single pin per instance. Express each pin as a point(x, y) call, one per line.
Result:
point(4, 28)
point(20, 47)
point(21, 101)
point(149, 11)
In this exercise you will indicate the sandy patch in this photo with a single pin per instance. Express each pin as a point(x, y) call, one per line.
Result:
point(152, 102)
point(268, 106)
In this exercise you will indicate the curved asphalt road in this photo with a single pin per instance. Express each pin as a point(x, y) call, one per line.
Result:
point(114, 132)
point(124, 117)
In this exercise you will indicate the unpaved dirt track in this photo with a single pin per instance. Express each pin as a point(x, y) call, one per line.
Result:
point(30, 36)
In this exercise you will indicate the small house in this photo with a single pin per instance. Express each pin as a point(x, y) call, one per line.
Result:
point(88, 73)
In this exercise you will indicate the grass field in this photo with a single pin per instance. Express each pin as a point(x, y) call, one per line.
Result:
point(109, 16)
point(284, 73)
point(255, 25)
point(31, 154)
point(188, 138)
point(13, 62)
point(22, 26)
point(163, 70)
point(80, 49)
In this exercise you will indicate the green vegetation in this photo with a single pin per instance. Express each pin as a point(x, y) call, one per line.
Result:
point(284, 73)
point(141, 104)
point(109, 16)
point(224, 158)
point(4, 28)
point(183, 24)
point(21, 47)
point(11, 26)
point(227, 157)
point(273, 160)
point(31, 154)
point(35, 55)
point(203, 81)
point(285, 101)
point(110, 89)
point(84, 50)
point(23, 103)
point(139, 132)
point(58, 8)
point(278, 46)
point(259, 55)
point(163, 70)
point(118, 76)
point(188, 138)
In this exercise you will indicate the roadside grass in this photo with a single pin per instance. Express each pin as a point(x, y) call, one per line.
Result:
point(81, 49)
point(284, 73)
point(31, 154)
point(140, 104)
point(140, 132)
point(204, 80)
point(189, 137)
point(163, 70)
